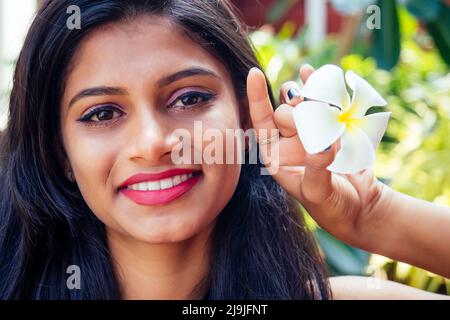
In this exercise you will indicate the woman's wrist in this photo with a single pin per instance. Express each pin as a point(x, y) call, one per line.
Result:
point(380, 229)
point(410, 230)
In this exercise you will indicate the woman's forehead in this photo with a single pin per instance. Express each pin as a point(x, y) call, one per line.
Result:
point(140, 49)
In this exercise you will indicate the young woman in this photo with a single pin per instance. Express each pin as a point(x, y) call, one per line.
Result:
point(87, 177)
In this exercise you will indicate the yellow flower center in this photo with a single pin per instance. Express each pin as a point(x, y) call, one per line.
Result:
point(347, 117)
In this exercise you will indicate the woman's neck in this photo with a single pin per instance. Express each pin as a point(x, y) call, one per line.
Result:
point(160, 271)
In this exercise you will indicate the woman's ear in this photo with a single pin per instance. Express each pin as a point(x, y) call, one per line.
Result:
point(68, 172)
point(62, 158)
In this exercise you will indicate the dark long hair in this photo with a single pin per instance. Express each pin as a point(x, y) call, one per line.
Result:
point(261, 248)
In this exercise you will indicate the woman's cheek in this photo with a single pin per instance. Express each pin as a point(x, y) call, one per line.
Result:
point(94, 155)
point(91, 158)
point(219, 141)
point(221, 167)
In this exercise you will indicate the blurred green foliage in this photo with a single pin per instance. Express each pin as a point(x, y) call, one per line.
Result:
point(386, 44)
point(414, 156)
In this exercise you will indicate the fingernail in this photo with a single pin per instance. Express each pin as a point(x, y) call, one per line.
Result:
point(327, 149)
point(293, 93)
point(306, 65)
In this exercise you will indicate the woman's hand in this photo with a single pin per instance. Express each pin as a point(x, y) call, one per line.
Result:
point(341, 204)
point(357, 209)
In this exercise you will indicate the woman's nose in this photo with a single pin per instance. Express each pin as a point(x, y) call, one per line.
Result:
point(151, 138)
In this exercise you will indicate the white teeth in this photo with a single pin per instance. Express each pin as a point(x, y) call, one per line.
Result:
point(176, 180)
point(142, 186)
point(161, 184)
point(153, 185)
point(166, 183)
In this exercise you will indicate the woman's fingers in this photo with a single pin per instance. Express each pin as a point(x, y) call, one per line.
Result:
point(261, 114)
point(305, 71)
point(261, 110)
point(292, 152)
point(317, 181)
point(290, 93)
point(284, 120)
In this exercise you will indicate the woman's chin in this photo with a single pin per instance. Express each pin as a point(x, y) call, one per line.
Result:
point(164, 231)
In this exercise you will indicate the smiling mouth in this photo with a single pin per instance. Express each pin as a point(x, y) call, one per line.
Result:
point(163, 191)
point(162, 184)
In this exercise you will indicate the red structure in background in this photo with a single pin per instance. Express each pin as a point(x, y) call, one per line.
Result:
point(255, 13)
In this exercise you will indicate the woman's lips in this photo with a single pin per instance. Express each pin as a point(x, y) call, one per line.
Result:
point(157, 197)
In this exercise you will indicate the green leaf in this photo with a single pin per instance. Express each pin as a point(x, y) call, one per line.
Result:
point(340, 257)
point(425, 10)
point(386, 40)
point(439, 29)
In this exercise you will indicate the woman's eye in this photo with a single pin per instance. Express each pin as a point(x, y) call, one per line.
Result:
point(102, 114)
point(191, 99)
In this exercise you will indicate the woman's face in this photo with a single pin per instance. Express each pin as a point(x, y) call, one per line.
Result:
point(130, 86)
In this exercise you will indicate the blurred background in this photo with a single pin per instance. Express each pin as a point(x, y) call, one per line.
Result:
point(402, 47)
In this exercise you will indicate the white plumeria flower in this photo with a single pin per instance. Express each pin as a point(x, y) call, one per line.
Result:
point(329, 114)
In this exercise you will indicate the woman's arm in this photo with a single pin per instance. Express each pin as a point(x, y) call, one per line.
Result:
point(366, 288)
point(410, 230)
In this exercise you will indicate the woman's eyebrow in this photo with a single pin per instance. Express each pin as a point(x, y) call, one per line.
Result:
point(117, 91)
point(186, 73)
point(98, 91)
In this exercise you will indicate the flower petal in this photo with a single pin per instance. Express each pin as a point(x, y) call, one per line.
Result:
point(375, 126)
point(327, 84)
point(317, 125)
point(364, 95)
point(356, 153)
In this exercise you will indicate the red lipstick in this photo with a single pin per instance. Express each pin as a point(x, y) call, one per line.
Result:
point(163, 196)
